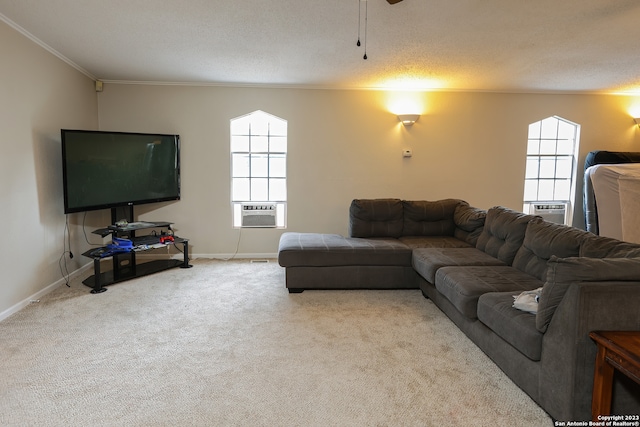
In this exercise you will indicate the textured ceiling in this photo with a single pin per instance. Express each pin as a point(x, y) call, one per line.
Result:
point(485, 45)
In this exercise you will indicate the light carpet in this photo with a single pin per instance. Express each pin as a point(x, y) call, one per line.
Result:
point(224, 344)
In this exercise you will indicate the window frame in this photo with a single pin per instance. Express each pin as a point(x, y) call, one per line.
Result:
point(270, 147)
point(560, 185)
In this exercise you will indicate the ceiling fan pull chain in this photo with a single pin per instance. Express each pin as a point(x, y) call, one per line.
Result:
point(366, 17)
point(359, 8)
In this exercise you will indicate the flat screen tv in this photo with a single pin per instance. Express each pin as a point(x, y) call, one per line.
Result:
point(104, 170)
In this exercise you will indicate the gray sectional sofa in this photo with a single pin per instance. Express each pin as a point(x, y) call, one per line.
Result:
point(472, 263)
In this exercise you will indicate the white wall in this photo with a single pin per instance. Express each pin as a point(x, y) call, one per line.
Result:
point(39, 94)
point(347, 144)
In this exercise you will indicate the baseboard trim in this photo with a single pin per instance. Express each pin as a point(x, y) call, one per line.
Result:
point(22, 304)
point(228, 257)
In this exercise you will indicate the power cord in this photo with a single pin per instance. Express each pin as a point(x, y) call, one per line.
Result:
point(237, 247)
point(84, 231)
point(170, 232)
point(66, 227)
point(66, 243)
point(62, 262)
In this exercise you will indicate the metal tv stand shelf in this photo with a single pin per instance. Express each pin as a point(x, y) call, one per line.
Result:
point(125, 266)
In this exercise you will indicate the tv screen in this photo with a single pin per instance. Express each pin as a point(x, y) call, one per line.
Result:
point(110, 169)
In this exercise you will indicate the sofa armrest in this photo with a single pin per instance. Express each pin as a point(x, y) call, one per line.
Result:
point(568, 354)
point(469, 222)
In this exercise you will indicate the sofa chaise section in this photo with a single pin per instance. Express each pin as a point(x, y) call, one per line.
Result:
point(377, 253)
point(331, 261)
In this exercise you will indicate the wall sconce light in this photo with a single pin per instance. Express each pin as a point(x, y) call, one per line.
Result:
point(637, 120)
point(410, 119)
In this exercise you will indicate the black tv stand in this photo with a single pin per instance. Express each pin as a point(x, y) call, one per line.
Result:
point(125, 265)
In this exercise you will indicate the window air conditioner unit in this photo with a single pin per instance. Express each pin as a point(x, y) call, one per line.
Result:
point(258, 215)
point(552, 212)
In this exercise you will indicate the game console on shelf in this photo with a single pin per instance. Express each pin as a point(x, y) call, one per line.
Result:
point(166, 239)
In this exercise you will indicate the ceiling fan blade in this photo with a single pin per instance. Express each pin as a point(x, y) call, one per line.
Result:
point(394, 1)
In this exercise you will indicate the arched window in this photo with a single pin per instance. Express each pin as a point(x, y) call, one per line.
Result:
point(259, 170)
point(549, 185)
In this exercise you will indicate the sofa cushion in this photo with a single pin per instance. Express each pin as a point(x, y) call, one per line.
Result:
point(469, 222)
point(606, 247)
point(563, 272)
point(503, 233)
point(543, 239)
point(462, 286)
point(427, 261)
point(313, 249)
point(425, 218)
point(375, 218)
point(433, 242)
point(517, 327)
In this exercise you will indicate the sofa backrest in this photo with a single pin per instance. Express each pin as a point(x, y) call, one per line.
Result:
point(397, 218)
point(426, 218)
point(503, 233)
point(375, 218)
point(542, 240)
point(607, 247)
